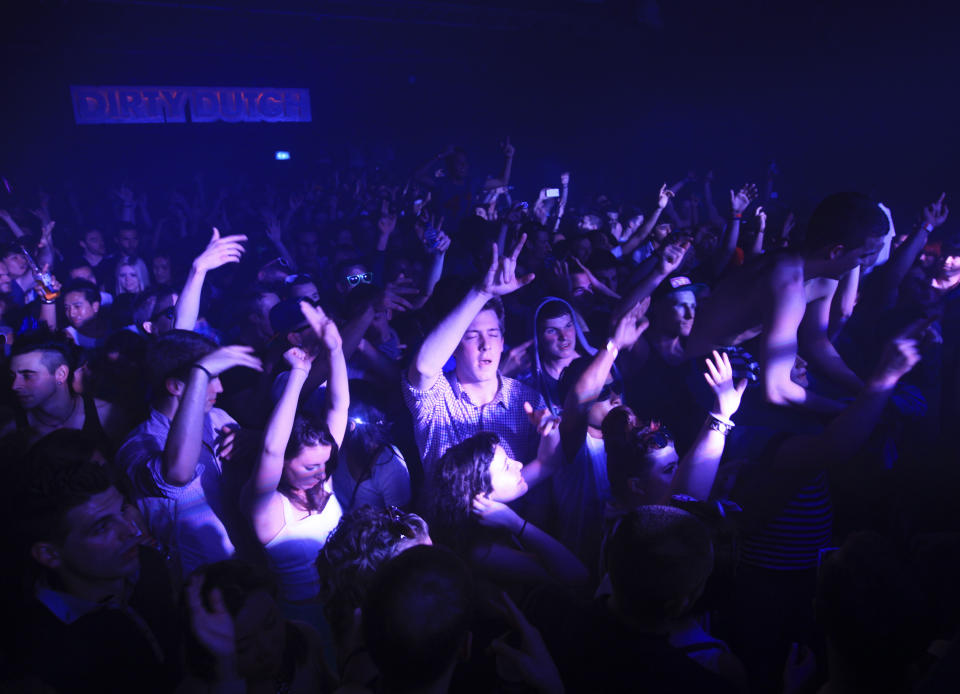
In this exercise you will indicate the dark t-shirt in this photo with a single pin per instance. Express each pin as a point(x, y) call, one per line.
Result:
point(111, 649)
point(595, 652)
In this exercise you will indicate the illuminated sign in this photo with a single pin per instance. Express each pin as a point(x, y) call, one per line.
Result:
point(200, 104)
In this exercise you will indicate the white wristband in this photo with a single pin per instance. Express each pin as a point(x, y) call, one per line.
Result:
point(612, 348)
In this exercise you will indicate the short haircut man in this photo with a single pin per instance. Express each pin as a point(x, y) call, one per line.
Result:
point(417, 615)
point(451, 407)
point(659, 559)
point(172, 458)
point(82, 554)
point(81, 303)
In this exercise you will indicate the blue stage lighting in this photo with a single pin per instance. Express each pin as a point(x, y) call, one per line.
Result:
point(280, 155)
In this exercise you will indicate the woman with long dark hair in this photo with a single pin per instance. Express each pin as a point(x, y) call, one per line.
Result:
point(465, 502)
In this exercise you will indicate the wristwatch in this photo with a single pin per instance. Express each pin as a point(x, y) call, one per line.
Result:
point(720, 426)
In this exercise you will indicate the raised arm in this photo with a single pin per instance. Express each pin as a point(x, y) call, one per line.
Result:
point(546, 560)
point(562, 204)
point(218, 252)
point(548, 451)
point(633, 243)
point(182, 449)
point(573, 425)
point(504, 180)
point(260, 496)
point(801, 456)
point(438, 254)
point(14, 227)
point(756, 248)
point(698, 467)
point(903, 258)
point(275, 234)
point(440, 344)
point(668, 260)
point(815, 345)
point(731, 235)
point(338, 388)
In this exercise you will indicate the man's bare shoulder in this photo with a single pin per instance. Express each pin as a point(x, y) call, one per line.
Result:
point(785, 270)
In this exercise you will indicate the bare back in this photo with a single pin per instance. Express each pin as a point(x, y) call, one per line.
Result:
point(742, 302)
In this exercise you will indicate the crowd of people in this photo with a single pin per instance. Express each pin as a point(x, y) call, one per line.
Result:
point(402, 431)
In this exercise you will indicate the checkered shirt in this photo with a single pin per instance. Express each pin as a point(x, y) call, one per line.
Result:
point(443, 415)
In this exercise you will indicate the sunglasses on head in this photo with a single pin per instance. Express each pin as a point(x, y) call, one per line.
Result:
point(354, 280)
point(654, 440)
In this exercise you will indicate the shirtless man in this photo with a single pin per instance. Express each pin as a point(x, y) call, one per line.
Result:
point(785, 297)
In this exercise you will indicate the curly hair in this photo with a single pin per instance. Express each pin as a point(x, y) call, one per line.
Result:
point(460, 474)
point(363, 540)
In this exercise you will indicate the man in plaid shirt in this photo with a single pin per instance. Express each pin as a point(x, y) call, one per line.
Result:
point(450, 407)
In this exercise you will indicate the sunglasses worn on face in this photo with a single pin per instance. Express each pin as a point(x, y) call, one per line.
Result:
point(354, 280)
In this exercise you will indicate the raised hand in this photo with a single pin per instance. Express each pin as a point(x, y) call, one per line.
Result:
point(594, 282)
point(443, 244)
point(565, 179)
point(532, 660)
point(664, 196)
point(507, 149)
point(298, 358)
point(43, 214)
point(295, 201)
point(323, 326)
point(518, 360)
point(936, 213)
point(719, 377)
point(125, 195)
point(544, 421)
point(631, 326)
point(494, 514)
point(220, 251)
point(274, 231)
point(901, 354)
point(671, 256)
point(226, 358)
point(761, 219)
point(46, 233)
point(501, 276)
point(740, 200)
point(386, 224)
point(399, 294)
point(214, 628)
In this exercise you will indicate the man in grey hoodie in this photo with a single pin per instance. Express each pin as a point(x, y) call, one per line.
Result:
point(558, 340)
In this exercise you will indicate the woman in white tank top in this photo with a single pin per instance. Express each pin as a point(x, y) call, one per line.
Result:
point(289, 497)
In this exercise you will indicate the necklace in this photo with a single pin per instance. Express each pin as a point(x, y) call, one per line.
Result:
point(58, 425)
